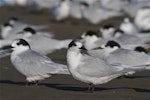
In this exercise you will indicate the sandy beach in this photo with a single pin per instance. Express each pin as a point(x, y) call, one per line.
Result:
point(64, 87)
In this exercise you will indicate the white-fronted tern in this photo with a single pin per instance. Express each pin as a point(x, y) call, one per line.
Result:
point(92, 70)
point(33, 65)
point(113, 53)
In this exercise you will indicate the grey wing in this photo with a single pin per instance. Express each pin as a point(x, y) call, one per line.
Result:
point(96, 53)
point(59, 69)
point(101, 42)
point(43, 49)
point(128, 57)
point(129, 39)
point(94, 67)
point(36, 64)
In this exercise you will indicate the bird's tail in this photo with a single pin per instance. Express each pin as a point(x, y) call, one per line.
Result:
point(148, 67)
point(59, 69)
point(127, 68)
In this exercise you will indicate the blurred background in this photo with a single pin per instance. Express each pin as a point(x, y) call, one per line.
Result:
point(93, 11)
point(69, 19)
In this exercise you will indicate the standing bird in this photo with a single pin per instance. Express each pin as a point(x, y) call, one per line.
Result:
point(92, 70)
point(33, 65)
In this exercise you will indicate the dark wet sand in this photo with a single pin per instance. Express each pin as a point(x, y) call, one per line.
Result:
point(63, 87)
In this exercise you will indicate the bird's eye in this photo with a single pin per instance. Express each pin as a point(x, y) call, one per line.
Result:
point(18, 43)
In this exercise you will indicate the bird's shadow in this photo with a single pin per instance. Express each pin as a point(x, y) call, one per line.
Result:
point(73, 88)
point(68, 87)
point(134, 77)
point(11, 82)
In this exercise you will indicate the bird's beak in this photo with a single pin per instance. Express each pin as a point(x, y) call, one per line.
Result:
point(83, 48)
point(5, 52)
point(7, 47)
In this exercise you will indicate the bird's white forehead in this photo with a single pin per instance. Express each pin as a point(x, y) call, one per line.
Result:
point(83, 35)
point(14, 43)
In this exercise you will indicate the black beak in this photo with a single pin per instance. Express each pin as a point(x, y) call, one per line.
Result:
point(7, 47)
point(6, 52)
point(11, 47)
point(83, 48)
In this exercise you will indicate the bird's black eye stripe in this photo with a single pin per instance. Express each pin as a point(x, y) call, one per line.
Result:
point(18, 43)
point(72, 44)
point(119, 30)
point(91, 33)
point(108, 26)
point(84, 3)
point(112, 44)
point(140, 49)
point(22, 42)
point(29, 29)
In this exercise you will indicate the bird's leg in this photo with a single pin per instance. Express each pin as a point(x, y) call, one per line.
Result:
point(36, 83)
point(91, 87)
point(122, 77)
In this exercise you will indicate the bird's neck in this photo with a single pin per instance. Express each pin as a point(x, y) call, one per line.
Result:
point(73, 59)
point(90, 43)
point(20, 50)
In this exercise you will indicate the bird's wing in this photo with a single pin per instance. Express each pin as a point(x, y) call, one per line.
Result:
point(128, 57)
point(94, 67)
point(37, 64)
